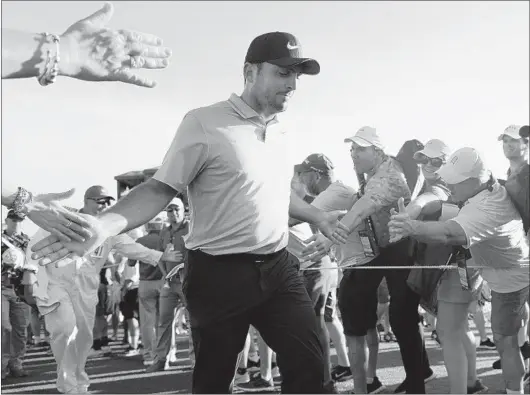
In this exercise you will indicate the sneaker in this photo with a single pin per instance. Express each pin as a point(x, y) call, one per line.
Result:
point(275, 371)
point(241, 376)
point(329, 388)
point(95, 353)
point(488, 344)
point(429, 376)
point(148, 362)
point(106, 350)
point(257, 384)
point(434, 336)
point(478, 388)
point(402, 388)
point(526, 379)
point(341, 373)
point(253, 366)
point(17, 372)
point(497, 364)
point(133, 352)
point(158, 366)
point(376, 386)
point(172, 355)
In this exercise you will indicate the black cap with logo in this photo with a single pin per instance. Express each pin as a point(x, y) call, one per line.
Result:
point(281, 49)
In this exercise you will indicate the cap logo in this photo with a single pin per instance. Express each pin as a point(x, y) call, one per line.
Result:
point(291, 47)
point(454, 160)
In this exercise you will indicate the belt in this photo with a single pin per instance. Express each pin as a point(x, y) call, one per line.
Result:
point(246, 255)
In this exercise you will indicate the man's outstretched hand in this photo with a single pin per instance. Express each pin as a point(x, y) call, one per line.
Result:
point(329, 221)
point(52, 249)
point(400, 225)
point(46, 212)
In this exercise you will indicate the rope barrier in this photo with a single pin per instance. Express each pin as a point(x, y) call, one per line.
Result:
point(354, 266)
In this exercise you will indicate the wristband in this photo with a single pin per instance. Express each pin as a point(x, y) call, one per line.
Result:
point(51, 67)
point(19, 204)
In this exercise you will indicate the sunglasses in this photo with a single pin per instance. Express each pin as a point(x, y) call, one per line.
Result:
point(435, 162)
point(102, 202)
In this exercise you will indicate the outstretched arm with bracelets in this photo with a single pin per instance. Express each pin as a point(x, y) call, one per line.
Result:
point(45, 211)
point(87, 50)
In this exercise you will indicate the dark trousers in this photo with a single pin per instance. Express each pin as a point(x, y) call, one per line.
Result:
point(228, 293)
point(358, 305)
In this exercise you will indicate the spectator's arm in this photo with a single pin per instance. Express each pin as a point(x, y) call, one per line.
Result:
point(448, 232)
point(127, 247)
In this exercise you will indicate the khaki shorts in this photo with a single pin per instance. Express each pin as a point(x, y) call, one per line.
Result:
point(507, 311)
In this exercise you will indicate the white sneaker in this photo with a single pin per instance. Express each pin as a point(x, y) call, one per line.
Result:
point(275, 372)
point(241, 378)
point(172, 356)
point(82, 390)
point(148, 362)
point(106, 350)
point(95, 353)
point(132, 353)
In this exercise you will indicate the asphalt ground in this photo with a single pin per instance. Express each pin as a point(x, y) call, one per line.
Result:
point(117, 374)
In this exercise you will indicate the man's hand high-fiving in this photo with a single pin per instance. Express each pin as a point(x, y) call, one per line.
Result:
point(400, 224)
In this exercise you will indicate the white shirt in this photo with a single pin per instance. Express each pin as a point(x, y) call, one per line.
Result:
point(82, 273)
point(496, 239)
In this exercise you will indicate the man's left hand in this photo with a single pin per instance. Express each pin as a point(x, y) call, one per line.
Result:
point(400, 225)
point(329, 221)
point(317, 249)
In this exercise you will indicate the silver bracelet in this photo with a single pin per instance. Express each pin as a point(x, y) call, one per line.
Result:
point(51, 67)
point(19, 204)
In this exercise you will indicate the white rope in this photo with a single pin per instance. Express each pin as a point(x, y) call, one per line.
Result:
point(407, 267)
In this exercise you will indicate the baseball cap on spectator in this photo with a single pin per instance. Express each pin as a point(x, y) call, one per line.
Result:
point(97, 192)
point(511, 131)
point(281, 49)
point(175, 202)
point(463, 164)
point(524, 132)
point(315, 162)
point(434, 149)
point(14, 216)
point(158, 222)
point(366, 137)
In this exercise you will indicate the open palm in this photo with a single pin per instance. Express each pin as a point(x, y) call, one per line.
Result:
point(52, 249)
point(94, 52)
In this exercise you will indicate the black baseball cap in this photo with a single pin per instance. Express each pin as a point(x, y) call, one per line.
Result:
point(281, 49)
point(315, 162)
point(524, 132)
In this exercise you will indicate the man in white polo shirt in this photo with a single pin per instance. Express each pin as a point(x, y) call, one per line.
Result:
point(231, 159)
point(490, 226)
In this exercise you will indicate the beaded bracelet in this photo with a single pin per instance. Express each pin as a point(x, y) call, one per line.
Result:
point(51, 68)
point(19, 204)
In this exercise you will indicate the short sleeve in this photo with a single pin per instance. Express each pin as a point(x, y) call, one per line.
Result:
point(385, 189)
point(475, 224)
point(335, 197)
point(186, 156)
point(440, 192)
